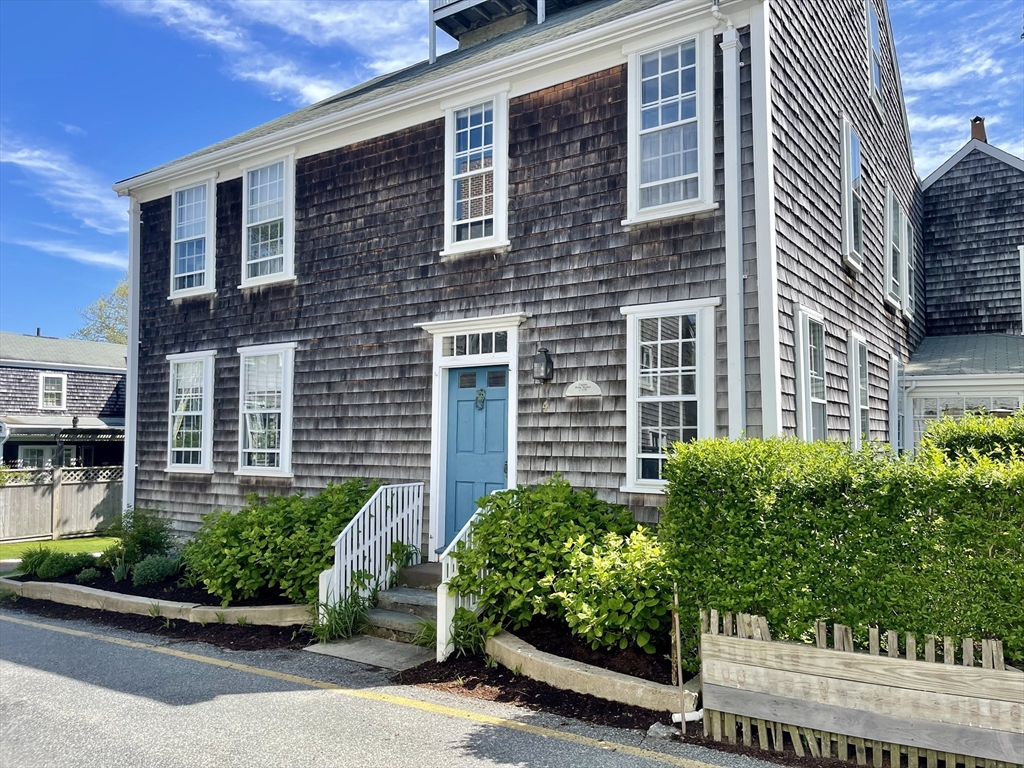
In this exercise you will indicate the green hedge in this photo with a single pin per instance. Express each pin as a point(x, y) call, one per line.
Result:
point(977, 434)
point(800, 532)
point(281, 542)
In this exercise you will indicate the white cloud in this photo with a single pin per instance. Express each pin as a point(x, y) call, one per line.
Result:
point(74, 130)
point(67, 185)
point(111, 259)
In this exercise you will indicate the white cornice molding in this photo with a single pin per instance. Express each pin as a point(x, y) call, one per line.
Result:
point(964, 151)
point(474, 324)
point(43, 366)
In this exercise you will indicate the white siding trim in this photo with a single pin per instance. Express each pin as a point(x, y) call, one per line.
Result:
point(131, 408)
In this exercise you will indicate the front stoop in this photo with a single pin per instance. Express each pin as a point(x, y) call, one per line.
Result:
point(422, 576)
point(403, 609)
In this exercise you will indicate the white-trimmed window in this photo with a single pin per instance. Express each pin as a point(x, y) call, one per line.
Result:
point(268, 199)
point(811, 391)
point(929, 408)
point(476, 175)
point(266, 409)
point(53, 391)
point(909, 271)
point(860, 397)
point(853, 198)
point(190, 422)
point(670, 130)
point(895, 251)
point(874, 55)
point(670, 384)
point(897, 403)
point(192, 241)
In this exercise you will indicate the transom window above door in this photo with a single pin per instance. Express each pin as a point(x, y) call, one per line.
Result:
point(462, 344)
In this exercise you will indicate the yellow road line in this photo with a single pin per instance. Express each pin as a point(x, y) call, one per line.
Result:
point(388, 698)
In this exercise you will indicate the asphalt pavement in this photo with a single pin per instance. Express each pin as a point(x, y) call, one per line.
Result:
point(79, 694)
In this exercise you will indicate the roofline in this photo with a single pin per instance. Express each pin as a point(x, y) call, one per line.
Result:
point(964, 151)
point(536, 57)
point(50, 366)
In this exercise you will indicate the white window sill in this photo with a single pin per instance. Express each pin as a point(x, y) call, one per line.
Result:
point(474, 246)
point(651, 490)
point(253, 472)
point(260, 282)
point(894, 302)
point(53, 408)
point(187, 470)
point(191, 294)
point(854, 263)
point(666, 213)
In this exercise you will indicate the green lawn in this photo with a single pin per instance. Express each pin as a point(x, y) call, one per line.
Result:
point(91, 544)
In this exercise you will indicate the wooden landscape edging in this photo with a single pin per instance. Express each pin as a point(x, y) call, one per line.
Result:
point(831, 702)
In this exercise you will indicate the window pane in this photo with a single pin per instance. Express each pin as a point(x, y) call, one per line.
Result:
point(266, 193)
point(473, 191)
point(190, 213)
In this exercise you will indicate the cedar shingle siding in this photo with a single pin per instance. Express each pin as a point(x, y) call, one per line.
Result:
point(972, 276)
point(88, 394)
point(368, 229)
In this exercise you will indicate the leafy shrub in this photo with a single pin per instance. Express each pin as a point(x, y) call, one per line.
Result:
point(62, 563)
point(155, 568)
point(33, 558)
point(617, 592)
point(87, 575)
point(519, 547)
point(282, 542)
point(977, 435)
point(140, 533)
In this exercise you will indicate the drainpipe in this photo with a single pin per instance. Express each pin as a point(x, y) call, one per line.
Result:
point(132, 381)
point(731, 48)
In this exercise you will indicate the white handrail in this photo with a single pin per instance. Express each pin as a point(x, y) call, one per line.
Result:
point(393, 514)
point(448, 602)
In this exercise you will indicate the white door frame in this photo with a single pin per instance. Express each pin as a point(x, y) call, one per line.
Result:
point(439, 408)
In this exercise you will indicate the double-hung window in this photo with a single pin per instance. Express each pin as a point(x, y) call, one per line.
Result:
point(190, 432)
point(53, 388)
point(670, 385)
point(476, 196)
point(811, 392)
point(268, 234)
point(896, 271)
point(874, 55)
point(670, 123)
point(910, 274)
point(192, 250)
point(853, 199)
point(897, 403)
point(860, 404)
point(266, 409)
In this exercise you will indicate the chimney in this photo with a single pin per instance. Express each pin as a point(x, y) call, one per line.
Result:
point(978, 129)
point(38, 329)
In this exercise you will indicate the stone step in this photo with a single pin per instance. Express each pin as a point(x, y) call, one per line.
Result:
point(419, 602)
point(422, 576)
point(392, 625)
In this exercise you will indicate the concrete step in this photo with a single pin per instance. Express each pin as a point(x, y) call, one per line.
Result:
point(422, 576)
point(419, 602)
point(392, 625)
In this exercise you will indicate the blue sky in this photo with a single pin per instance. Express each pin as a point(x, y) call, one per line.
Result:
point(93, 92)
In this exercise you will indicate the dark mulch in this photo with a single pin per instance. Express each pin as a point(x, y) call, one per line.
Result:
point(230, 636)
point(553, 636)
point(169, 589)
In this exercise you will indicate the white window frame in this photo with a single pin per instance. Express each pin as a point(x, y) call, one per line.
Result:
point(288, 270)
point(895, 299)
point(909, 296)
point(897, 402)
point(705, 359)
point(705, 200)
point(287, 352)
point(209, 272)
point(803, 317)
point(856, 343)
point(874, 56)
point(499, 238)
point(43, 376)
point(208, 359)
point(853, 258)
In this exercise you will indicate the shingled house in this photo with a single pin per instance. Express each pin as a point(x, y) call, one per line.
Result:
point(61, 401)
point(595, 228)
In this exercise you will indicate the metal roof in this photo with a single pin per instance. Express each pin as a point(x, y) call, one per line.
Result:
point(557, 27)
point(17, 347)
point(978, 354)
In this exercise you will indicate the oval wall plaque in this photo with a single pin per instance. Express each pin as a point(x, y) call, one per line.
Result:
point(583, 388)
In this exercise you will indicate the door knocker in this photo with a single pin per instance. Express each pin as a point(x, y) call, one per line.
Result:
point(481, 395)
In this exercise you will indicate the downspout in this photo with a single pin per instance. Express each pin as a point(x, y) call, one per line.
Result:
point(132, 380)
point(731, 48)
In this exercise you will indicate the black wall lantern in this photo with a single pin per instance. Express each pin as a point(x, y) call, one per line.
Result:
point(543, 368)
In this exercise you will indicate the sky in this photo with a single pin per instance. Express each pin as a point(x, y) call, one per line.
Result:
point(95, 91)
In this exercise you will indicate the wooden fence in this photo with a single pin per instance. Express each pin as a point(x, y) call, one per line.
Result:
point(837, 702)
point(51, 503)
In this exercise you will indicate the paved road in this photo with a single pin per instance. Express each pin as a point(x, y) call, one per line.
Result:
point(75, 694)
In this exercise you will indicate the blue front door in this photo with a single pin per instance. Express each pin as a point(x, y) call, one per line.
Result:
point(477, 441)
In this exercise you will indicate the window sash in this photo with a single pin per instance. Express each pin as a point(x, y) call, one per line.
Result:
point(816, 379)
point(265, 237)
point(53, 391)
point(263, 393)
point(188, 397)
point(874, 51)
point(189, 241)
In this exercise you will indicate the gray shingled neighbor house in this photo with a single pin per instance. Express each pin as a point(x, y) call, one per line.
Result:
point(61, 401)
point(595, 228)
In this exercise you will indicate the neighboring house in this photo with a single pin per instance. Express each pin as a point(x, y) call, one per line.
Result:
point(703, 217)
point(61, 401)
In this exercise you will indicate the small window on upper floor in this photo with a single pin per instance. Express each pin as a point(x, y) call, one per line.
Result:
point(476, 197)
point(268, 235)
point(896, 269)
point(670, 131)
point(192, 257)
point(853, 199)
point(53, 389)
point(874, 55)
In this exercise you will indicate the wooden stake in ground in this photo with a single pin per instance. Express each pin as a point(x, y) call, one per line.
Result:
point(679, 656)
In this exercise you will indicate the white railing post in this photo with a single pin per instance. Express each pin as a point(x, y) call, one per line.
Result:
point(448, 601)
